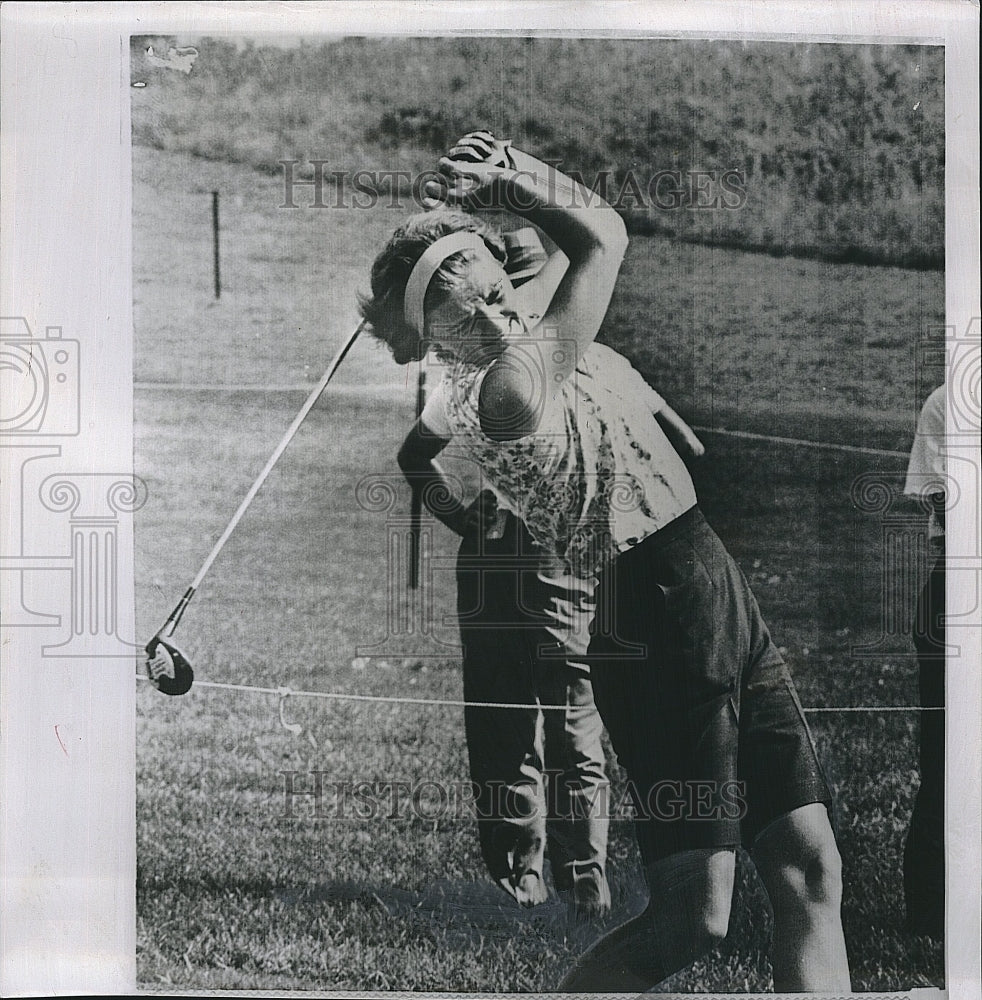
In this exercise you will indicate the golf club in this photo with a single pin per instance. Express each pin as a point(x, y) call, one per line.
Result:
point(416, 501)
point(167, 667)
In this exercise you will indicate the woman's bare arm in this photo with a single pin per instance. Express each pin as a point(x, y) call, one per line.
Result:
point(537, 293)
point(593, 238)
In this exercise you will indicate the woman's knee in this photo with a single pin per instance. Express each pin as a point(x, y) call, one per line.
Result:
point(816, 879)
point(803, 871)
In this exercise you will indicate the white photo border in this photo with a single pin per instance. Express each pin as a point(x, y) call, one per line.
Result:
point(68, 828)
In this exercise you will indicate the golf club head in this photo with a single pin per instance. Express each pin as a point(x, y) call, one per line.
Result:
point(168, 668)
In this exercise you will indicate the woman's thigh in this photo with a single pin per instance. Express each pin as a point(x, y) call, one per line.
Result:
point(672, 713)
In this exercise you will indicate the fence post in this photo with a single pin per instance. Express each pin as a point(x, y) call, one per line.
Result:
point(214, 226)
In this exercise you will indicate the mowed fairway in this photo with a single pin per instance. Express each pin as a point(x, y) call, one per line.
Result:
point(233, 892)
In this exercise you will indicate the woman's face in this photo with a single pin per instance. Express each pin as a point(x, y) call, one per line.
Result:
point(477, 318)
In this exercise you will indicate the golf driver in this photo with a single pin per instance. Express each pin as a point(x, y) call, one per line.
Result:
point(167, 667)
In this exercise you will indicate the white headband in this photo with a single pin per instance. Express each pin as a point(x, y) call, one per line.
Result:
point(427, 265)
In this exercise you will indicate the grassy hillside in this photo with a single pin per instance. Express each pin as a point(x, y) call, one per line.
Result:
point(839, 149)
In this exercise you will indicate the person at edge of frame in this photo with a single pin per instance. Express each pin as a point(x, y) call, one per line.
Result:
point(688, 681)
point(924, 861)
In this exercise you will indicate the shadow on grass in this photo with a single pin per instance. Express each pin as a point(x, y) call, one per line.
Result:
point(469, 913)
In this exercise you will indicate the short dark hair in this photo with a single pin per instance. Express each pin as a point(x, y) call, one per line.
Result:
point(384, 307)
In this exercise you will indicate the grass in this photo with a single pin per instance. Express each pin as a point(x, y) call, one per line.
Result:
point(833, 351)
point(839, 148)
point(234, 894)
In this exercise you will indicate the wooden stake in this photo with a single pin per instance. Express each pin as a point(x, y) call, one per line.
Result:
point(214, 226)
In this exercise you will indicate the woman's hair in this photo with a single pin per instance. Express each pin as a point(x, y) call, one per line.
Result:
point(384, 308)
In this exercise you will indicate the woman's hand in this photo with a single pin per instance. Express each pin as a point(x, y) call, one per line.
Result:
point(682, 437)
point(465, 184)
point(471, 168)
point(481, 515)
point(695, 447)
point(482, 147)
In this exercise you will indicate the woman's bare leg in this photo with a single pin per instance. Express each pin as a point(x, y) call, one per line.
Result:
point(799, 863)
point(688, 914)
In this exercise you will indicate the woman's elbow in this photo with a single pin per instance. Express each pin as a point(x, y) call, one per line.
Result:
point(408, 458)
point(614, 240)
point(609, 237)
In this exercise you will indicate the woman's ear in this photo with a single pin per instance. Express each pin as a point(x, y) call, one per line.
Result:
point(497, 249)
point(406, 346)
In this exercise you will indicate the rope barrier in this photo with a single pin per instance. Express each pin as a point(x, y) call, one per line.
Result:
point(285, 692)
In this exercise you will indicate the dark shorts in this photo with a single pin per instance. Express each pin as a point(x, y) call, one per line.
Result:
point(699, 704)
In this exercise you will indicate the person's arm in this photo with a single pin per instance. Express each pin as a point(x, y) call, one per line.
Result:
point(536, 294)
point(927, 466)
point(484, 172)
point(682, 436)
point(416, 460)
point(581, 224)
point(593, 238)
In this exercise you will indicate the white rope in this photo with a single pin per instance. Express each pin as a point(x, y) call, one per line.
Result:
point(879, 708)
point(284, 692)
point(388, 699)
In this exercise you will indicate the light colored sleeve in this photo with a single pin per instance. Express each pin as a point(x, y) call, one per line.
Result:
point(926, 470)
point(629, 381)
point(434, 414)
point(656, 402)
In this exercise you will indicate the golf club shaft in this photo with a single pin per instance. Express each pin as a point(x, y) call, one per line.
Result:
point(416, 501)
point(175, 617)
point(167, 629)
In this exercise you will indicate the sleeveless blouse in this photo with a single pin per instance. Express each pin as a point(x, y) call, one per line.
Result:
point(596, 477)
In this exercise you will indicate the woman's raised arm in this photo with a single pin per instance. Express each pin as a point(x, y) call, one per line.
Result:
point(593, 238)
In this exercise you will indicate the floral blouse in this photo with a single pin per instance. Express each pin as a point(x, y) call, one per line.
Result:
point(596, 477)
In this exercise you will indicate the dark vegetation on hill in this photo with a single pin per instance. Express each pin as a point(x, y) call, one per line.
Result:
point(831, 151)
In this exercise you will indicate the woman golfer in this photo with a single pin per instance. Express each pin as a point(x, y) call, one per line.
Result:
point(693, 692)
